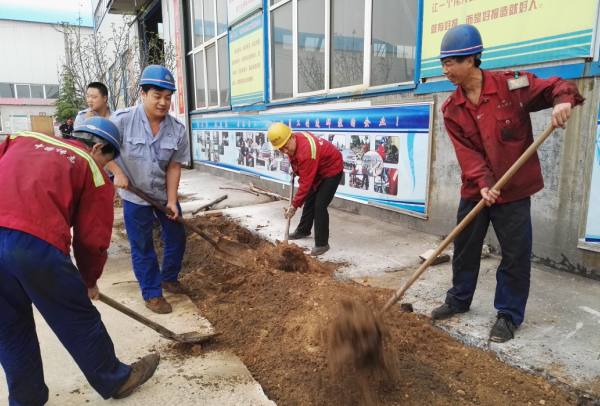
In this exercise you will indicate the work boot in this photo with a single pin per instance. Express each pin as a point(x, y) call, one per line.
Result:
point(296, 235)
point(503, 330)
point(159, 305)
point(173, 287)
point(141, 371)
point(445, 311)
point(319, 250)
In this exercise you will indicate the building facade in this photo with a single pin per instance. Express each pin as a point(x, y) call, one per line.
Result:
point(30, 74)
point(363, 74)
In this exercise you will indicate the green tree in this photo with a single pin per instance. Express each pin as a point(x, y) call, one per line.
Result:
point(69, 101)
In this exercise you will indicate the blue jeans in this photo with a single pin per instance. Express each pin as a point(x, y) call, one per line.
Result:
point(33, 271)
point(512, 224)
point(138, 223)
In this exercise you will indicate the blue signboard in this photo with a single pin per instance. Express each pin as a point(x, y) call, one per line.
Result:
point(385, 149)
point(592, 229)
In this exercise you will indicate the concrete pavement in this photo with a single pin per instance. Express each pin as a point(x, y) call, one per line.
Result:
point(181, 379)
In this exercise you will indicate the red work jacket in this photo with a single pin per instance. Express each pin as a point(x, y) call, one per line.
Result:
point(315, 159)
point(50, 185)
point(489, 138)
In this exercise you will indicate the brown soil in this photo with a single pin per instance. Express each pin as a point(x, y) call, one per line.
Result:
point(280, 324)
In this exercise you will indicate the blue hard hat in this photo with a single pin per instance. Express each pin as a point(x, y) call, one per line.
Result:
point(461, 40)
point(158, 76)
point(102, 128)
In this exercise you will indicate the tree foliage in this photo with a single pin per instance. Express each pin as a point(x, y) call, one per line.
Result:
point(69, 101)
point(117, 60)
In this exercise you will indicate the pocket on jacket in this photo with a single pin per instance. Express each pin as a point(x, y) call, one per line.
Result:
point(135, 147)
point(166, 150)
point(510, 126)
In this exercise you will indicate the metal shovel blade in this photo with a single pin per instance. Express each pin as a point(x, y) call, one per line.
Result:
point(233, 247)
point(192, 337)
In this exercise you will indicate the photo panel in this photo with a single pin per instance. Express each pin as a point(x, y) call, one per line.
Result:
point(225, 136)
point(388, 147)
point(360, 144)
point(338, 141)
point(387, 182)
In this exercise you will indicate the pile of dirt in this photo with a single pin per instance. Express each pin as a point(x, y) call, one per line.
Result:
point(279, 324)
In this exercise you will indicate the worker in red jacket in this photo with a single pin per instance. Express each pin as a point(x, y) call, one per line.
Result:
point(487, 119)
point(320, 168)
point(50, 185)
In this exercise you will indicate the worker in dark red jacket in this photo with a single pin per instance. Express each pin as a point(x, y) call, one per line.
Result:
point(48, 186)
point(320, 167)
point(487, 119)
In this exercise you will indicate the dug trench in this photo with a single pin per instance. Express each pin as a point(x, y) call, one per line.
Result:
point(279, 324)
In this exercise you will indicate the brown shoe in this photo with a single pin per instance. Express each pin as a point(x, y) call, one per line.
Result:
point(173, 287)
point(159, 305)
point(141, 371)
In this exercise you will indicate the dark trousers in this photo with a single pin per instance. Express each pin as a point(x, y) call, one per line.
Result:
point(315, 210)
point(33, 271)
point(512, 224)
point(138, 223)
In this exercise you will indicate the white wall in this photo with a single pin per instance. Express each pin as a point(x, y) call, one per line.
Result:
point(31, 52)
point(9, 110)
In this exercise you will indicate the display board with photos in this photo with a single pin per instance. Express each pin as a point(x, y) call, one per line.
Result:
point(385, 150)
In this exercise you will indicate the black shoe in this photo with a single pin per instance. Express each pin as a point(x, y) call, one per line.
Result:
point(503, 330)
point(296, 235)
point(445, 311)
point(319, 250)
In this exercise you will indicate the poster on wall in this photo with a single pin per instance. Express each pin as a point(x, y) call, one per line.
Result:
point(592, 229)
point(513, 32)
point(246, 62)
point(237, 10)
point(385, 149)
point(19, 123)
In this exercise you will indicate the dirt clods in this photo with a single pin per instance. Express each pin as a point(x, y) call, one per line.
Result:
point(289, 258)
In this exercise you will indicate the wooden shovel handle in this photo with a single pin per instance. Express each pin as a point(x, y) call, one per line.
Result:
point(509, 174)
point(287, 227)
point(179, 219)
point(136, 316)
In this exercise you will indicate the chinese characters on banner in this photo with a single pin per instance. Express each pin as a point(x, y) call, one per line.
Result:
point(237, 10)
point(180, 102)
point(514, 32)
point(385, 150)
point(246, 60)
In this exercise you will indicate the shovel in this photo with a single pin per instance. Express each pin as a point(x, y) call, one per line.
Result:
point(287, 227)
point(188, 338)
point(227, 250)
point(509, 174)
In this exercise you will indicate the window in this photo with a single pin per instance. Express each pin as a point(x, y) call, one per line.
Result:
point(51, 91)
point(23, 92)
point(7, 90)
point(210, 53)
point(37, 91)
point(211, 74)
point(224, 71)
point(334, 46)
point(311, 45)
point(347, 42)
point(393, 42)
point(282, 52)
point(200, 88)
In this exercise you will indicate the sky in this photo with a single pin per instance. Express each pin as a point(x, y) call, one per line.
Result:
point(47, 11)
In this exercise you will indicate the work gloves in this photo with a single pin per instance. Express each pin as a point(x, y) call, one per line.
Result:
point(289, 213)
